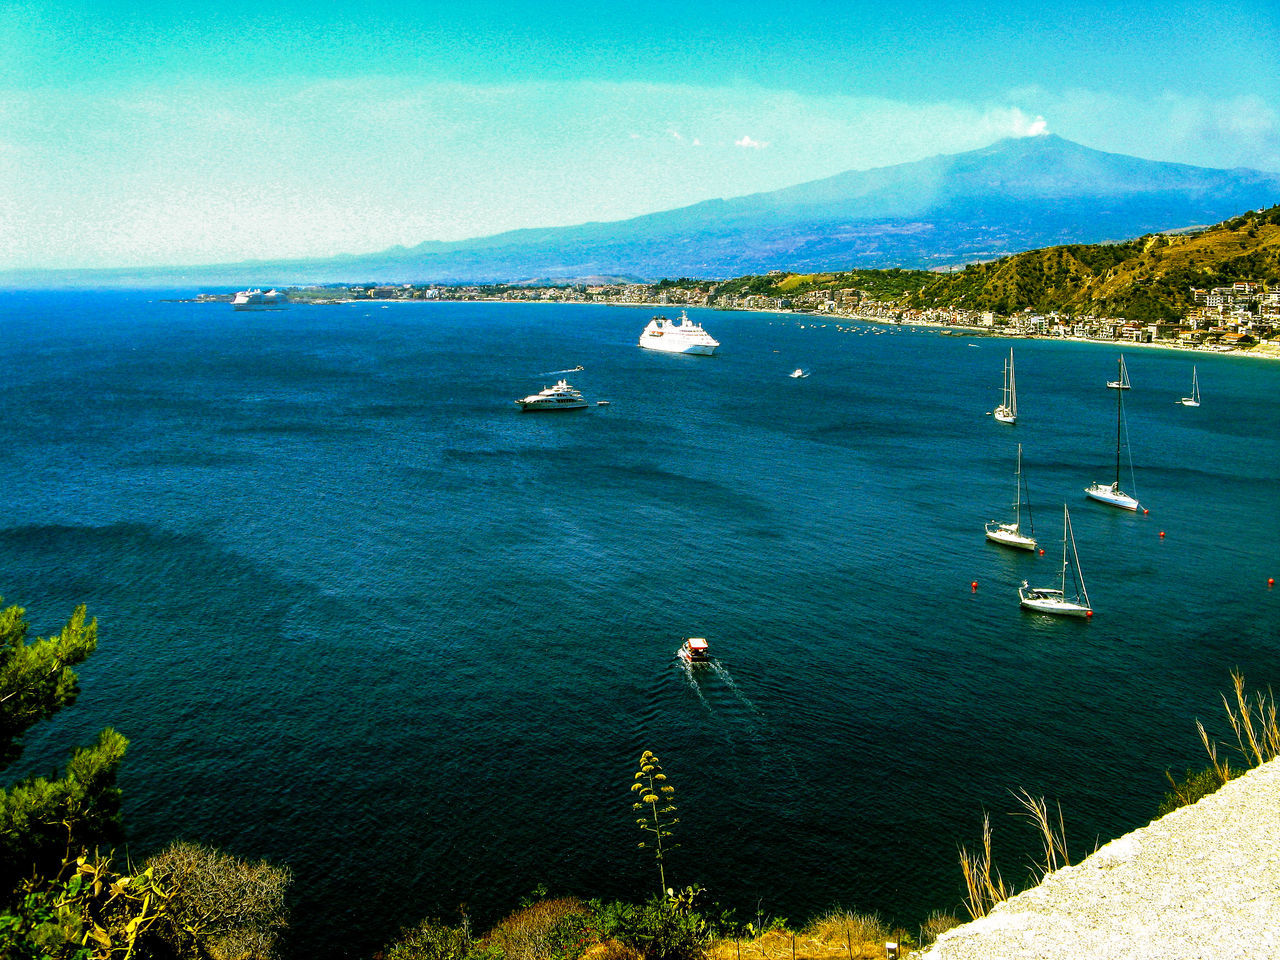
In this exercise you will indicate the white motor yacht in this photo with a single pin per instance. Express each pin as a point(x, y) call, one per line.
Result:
point(560, 397)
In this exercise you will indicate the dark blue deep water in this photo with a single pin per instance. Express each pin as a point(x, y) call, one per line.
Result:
point(360, 615)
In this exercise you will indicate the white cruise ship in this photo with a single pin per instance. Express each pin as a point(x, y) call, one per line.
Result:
point(257, 300)
point(682, 336)
point(560, 397)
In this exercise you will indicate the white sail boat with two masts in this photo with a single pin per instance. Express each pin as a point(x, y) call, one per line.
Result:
point(1007, 412)
point(1194, 399)
point(1111, 493)
point(1058, 601)
point(1012, 534)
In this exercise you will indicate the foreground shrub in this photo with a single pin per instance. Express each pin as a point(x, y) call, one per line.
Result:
point(556, 929)
point(429, 940)
point(87, 911)
point(656, 931)
point(219, 907)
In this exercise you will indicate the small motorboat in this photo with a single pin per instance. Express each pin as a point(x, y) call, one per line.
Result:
point(799, 374)
point(694, 651)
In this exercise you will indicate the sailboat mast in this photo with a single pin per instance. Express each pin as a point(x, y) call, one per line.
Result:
point(1012, 399)
point(1064, 551)
point(1079, 574)
point(1119, 394)
point(1017, 502)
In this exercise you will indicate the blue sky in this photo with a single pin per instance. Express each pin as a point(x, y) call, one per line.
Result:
point(166, 133)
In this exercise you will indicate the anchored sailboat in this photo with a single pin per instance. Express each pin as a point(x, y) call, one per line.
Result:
point(1111, 492)
point(1194, 399)
point(1058, 602)
point(1123, 382)
point(1007, 412)
point(1010, 534)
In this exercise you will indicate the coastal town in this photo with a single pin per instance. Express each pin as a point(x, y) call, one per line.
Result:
point(1244, 316)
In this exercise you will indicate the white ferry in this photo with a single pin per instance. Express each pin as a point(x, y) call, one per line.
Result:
point(682, 336)
point(560, 397)
point(257, 300)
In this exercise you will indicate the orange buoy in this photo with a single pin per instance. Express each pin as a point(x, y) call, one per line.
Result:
point(1042, 551)
point(1088, 613)
point(1161, 534)
point(1145, 510)
point(973, 587)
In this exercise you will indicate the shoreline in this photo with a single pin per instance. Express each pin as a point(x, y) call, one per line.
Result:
point(1260, 351)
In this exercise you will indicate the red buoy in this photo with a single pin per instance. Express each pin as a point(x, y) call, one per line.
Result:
point(1145, 510)
point(1088, 613)
point(973, 587)
point(1161, 534)
point(1271, 581)
point(1042, 551)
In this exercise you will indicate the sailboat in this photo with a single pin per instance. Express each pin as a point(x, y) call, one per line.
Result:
point(1123, 382)
point(1007, 412)
point(1194, 399)
point(1010, 534)
point(1049, 600)
point(1111, 492)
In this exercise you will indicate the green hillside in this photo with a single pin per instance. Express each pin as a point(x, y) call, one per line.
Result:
point(1147, 279)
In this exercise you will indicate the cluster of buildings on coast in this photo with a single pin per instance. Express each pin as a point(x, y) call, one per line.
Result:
point(1223, 318)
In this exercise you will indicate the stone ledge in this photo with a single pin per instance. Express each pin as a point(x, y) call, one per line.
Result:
point(1202, 882)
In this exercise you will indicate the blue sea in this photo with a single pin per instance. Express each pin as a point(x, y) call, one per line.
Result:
point(360, 615)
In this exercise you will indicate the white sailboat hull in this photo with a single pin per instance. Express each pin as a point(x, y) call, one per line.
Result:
point(1005, 415)
point(1189, 402)
point(1009, 535)
point(1110, 493)
point(1042, 600)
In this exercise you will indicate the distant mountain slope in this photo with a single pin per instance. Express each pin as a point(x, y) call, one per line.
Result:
point(1150, 278)
point(1014, 195)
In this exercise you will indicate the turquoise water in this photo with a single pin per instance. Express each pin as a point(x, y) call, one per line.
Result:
point(360, 615)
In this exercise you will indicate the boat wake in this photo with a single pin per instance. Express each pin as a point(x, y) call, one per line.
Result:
point(745, 728)
point(554, 373)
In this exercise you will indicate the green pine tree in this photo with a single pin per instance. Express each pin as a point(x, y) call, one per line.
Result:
point(42, 821)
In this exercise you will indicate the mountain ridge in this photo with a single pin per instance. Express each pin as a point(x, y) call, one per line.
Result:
point(948, 210)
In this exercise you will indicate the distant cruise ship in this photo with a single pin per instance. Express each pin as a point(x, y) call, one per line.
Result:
point(683, 336)
point(257, 300)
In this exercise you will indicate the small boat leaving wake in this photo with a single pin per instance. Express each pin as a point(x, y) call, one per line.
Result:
point(694, 652)
point(555, 373)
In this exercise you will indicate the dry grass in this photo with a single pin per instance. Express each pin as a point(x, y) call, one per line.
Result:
point(1253, 720)
point(984, 888)
point(937, 924)
point(1053, 839)
point(837, 935)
